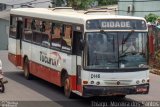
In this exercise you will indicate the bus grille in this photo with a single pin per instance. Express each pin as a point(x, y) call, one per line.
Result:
point(117, 82)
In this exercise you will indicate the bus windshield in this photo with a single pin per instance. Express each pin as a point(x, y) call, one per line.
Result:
point(109, 50)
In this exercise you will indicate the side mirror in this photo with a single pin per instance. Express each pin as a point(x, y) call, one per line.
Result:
point(82, 44)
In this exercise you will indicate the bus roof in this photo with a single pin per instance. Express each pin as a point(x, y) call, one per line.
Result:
point(67, 15)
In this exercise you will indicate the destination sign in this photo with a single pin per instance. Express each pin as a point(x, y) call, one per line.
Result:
point(116, 24)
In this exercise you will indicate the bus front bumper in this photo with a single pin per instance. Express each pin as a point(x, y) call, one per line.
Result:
point(90, 90)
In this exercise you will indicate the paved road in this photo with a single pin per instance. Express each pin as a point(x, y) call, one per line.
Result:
point(43, 93)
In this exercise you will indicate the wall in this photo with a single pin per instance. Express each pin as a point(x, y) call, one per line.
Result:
point(138, 6)
point(4, 25)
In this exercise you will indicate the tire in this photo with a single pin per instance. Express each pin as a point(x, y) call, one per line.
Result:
point(27, 74)
point(67, 89)
point(2, 88)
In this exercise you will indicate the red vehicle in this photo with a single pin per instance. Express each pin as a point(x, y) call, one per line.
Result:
point(154, 45)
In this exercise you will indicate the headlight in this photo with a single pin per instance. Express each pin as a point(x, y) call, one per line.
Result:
point(143, 66)
point(137, 81)
point(143, 81)
point(92, 82)
point(97, 83)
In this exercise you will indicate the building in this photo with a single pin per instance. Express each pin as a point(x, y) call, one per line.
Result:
point(5, 6)
point(4, 30)
point(138, 8)
point(29, 3)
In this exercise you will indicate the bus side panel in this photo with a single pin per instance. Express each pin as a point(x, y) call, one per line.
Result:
point(73, 82)
point(60, 61)
point(79, 73)
point(45, 73)
point(14, 51)
point(55, 77)
point(40, 71)
point(73, 77)
point(39, 64)
point(26, 51)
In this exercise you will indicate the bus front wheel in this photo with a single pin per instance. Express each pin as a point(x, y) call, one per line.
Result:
point(67, 88)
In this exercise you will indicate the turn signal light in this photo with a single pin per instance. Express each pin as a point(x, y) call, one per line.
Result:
point(137, 81)
point(98, 83)
point(85, 82)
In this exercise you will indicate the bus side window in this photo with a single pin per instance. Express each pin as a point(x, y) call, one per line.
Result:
point(37, 25)
point(27, 30)
point(13, 26)
point(43, 26)
point(52, 28)
point(56, 37)
point(67, 38)
point(33, 24)
point(37, 38)
point(45, 40)
point(47, 34)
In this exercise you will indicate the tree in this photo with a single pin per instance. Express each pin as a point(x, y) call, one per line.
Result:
point(57, 3)
point(80, 4)
point(107, 2)
point(151, 17)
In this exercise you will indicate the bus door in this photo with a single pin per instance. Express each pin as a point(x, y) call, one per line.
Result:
point(19, 32)
point(19, 37)
point(77, 36)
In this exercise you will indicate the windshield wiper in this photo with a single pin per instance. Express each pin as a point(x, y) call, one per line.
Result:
point(124, 41)
point(128, 36)
point(127, 53)
point(124, 54)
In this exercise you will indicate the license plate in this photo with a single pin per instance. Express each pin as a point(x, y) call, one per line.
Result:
point(141, 89)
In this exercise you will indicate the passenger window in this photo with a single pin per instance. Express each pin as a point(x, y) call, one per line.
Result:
point(13, 26)
point(27, 29)
point(28, 22)
point(47, 34)
point(45, 40)
point(67, 38)
point(37, 38)
point(33, 24)
point(43, 26)
point(48, 28)
point(38, 25)
point(27, 35)
point(56, 36)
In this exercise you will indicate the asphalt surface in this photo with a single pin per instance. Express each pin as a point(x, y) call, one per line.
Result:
point(39, 93)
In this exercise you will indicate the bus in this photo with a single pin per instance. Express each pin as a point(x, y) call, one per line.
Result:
point(88, 53)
